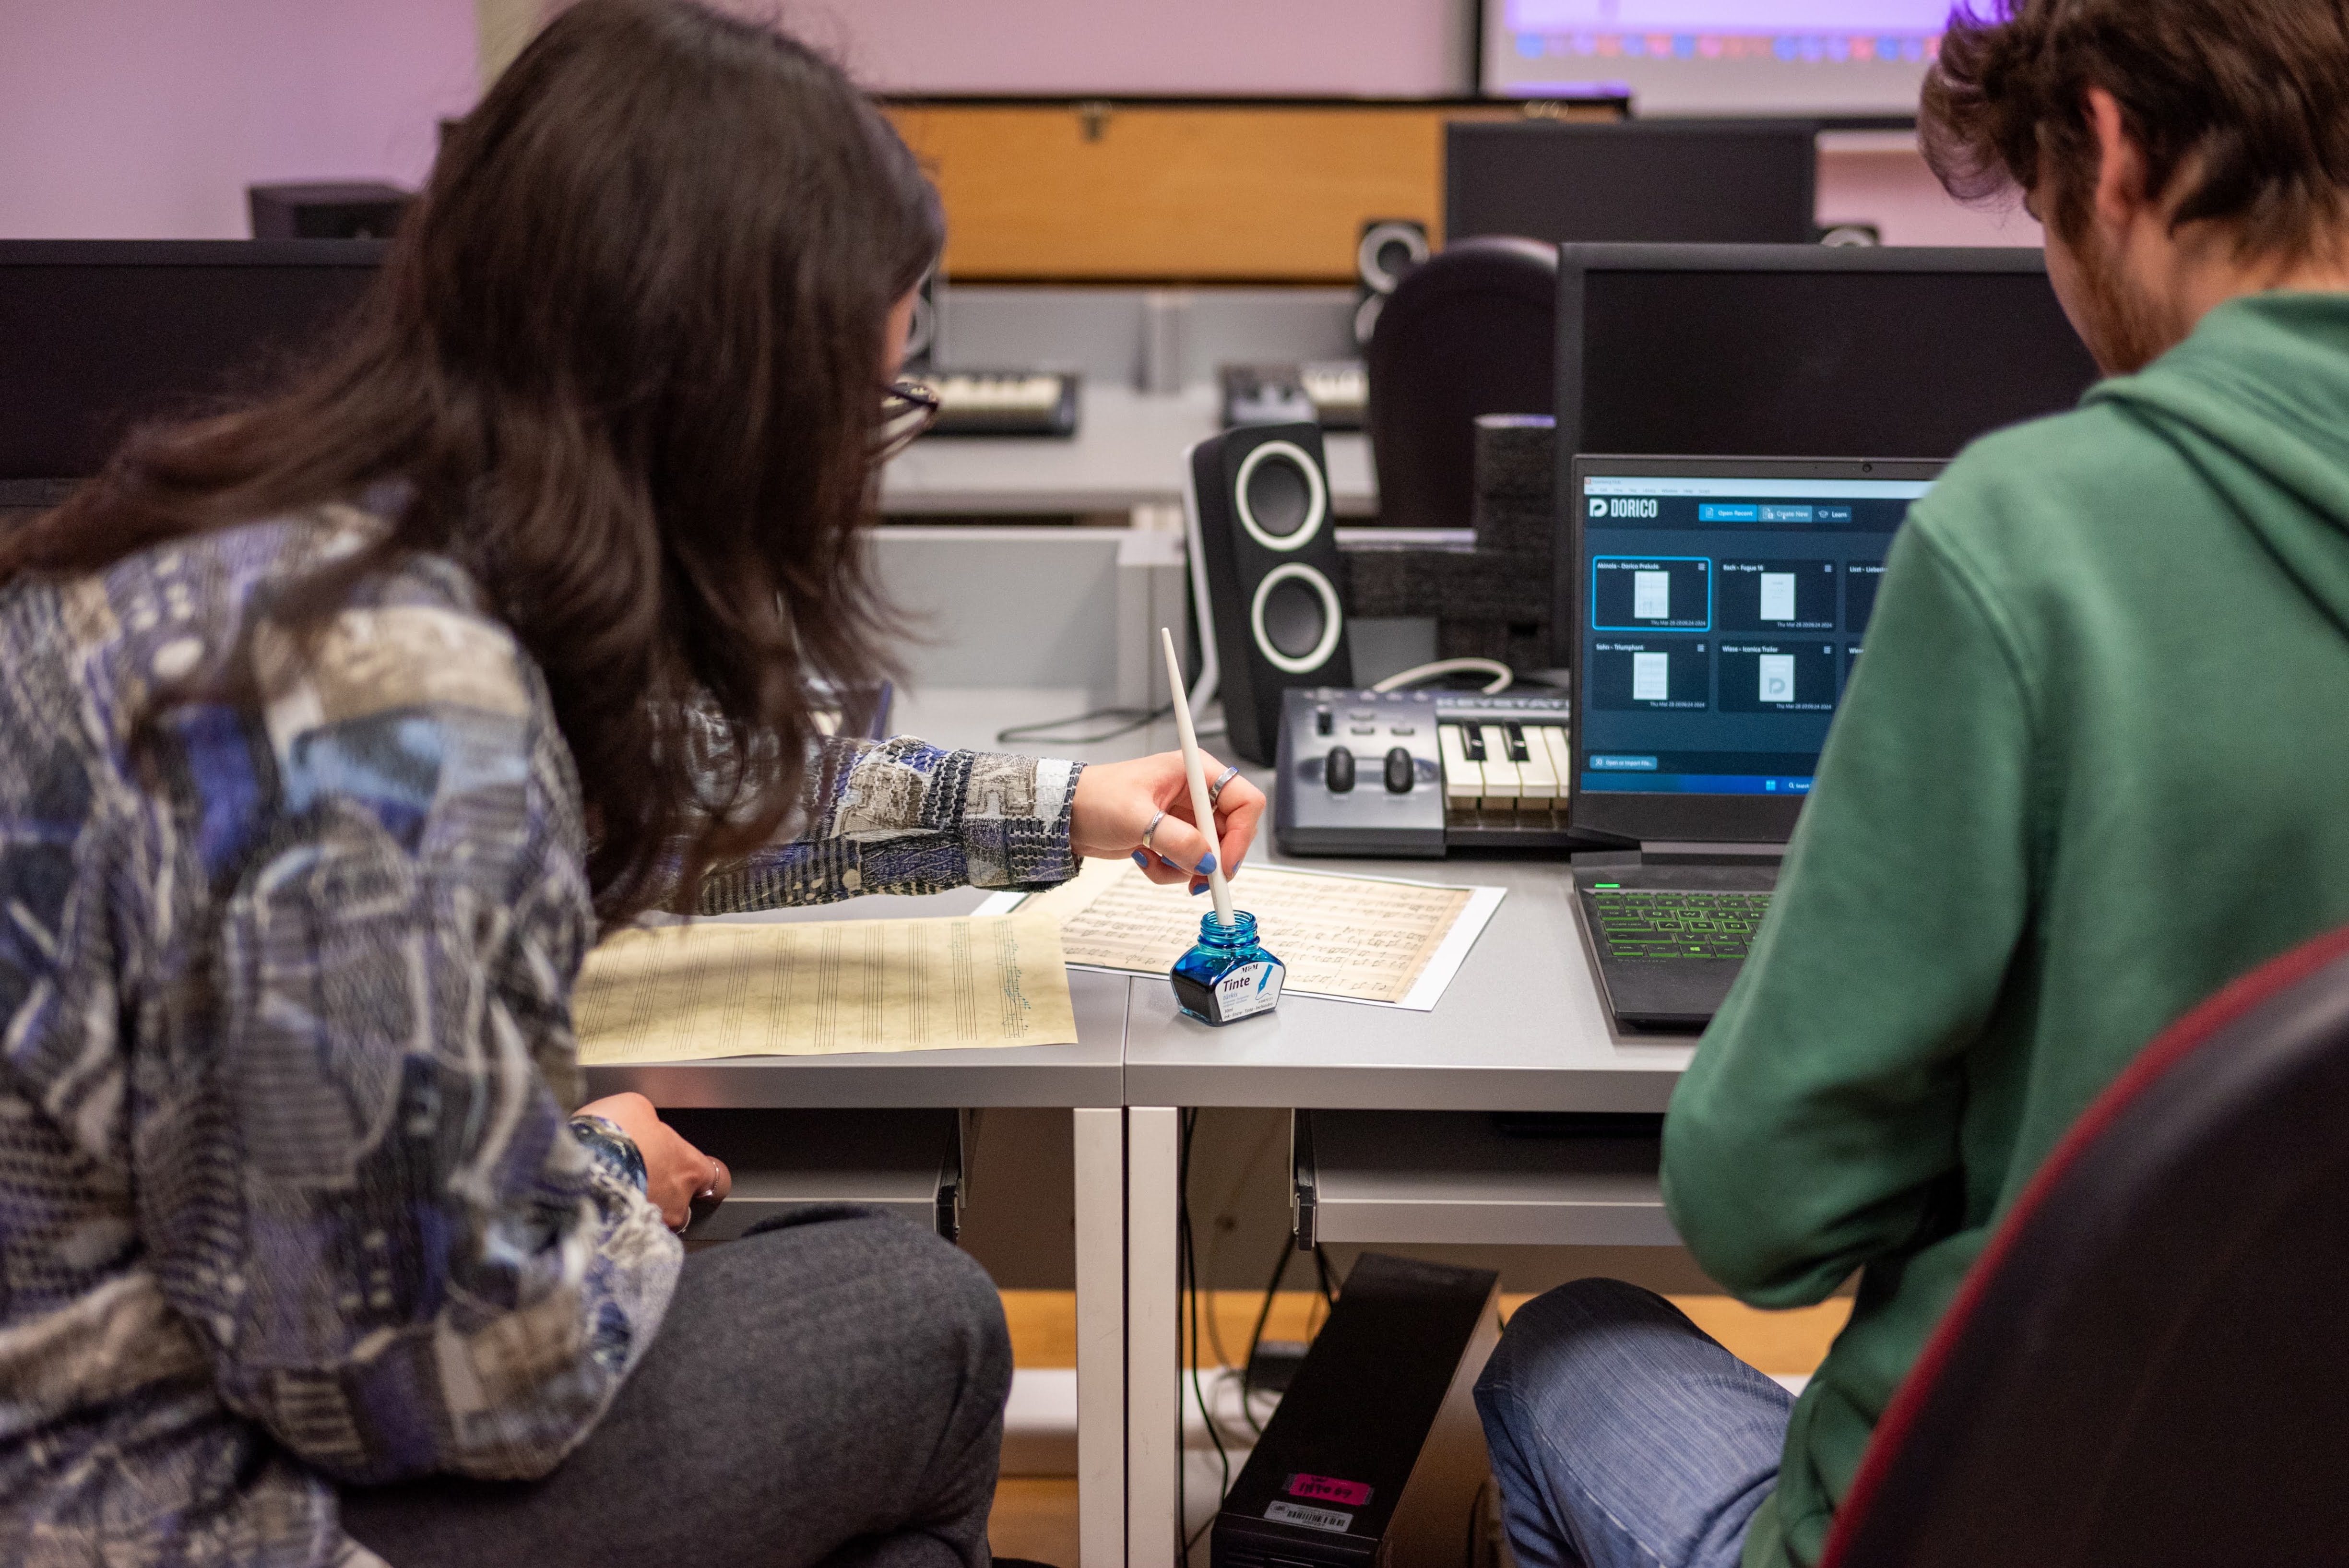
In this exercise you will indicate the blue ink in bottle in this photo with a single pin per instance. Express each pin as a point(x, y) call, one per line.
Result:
point(1227, 975)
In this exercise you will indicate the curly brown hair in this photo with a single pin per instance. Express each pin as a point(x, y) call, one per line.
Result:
point(623, 361)
point(2247, 101)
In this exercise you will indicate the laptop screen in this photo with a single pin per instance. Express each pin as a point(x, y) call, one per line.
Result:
point(1719, 617)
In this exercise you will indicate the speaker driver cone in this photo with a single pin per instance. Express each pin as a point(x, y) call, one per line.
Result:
point(1296, 619)
point(1387, 252)
point(1293, 619)
point(1280, 497)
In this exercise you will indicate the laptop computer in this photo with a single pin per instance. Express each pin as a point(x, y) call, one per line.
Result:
point(1719, 605)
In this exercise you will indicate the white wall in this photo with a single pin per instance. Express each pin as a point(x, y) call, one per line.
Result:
point(146, 119)
point(1399, 48)
point(1882, 180)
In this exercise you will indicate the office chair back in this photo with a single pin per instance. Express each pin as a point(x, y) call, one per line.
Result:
point(1473, 331)
point(2147, 1363)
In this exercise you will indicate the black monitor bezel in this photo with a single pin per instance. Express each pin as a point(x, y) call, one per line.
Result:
point(193, 252)
point(1577, 262)
point(1629, 816)
point(1804, 129)
point(367, 255)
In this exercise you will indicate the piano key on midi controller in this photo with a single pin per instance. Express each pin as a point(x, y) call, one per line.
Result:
point(1504, 775)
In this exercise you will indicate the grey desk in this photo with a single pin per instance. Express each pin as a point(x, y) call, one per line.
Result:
point(910, 1163)
point(1127, 453)
point(1520, 1028)
point(1456, 1177)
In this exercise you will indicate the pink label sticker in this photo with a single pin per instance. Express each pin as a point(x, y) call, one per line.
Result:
point(1328, 1489)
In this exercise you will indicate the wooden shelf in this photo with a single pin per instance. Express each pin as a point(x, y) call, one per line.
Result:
point(1184, 190)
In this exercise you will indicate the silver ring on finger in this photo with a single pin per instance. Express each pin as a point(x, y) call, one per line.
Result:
point(1216, 790)
point(1151, 829)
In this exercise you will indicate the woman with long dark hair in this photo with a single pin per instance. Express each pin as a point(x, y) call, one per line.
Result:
point(336, 731)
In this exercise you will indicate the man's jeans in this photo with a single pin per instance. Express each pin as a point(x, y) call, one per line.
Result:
point(1622, 1436)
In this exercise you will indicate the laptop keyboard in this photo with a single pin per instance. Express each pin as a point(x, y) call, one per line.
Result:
point(1641, 925)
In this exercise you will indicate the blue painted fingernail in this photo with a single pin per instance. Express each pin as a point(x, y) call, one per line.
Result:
point(1206, 864)
point(1142, 860)
point(1197, 889)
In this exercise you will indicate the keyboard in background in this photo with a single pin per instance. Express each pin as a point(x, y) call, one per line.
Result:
point(1335, 393)
point(1002, 403)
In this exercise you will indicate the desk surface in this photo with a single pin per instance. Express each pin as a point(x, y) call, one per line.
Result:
point(1127, 452)
point(1520, 1028)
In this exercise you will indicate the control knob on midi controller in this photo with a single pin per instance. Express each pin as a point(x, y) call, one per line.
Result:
point(1338, 770)
point(1467, 769)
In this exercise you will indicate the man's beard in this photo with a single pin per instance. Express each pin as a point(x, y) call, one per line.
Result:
point(2124, 330)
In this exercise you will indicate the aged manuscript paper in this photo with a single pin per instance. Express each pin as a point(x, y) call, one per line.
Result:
point(1363, 938)
point(687, 993)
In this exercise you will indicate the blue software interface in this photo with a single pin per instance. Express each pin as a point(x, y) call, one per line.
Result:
point(1722, 618)
point(1717, 57)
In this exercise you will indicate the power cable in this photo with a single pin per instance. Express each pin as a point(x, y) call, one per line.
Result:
point(1501, 674)
point(1132, 718)
point(1222, 1222)
point(1189, 1270)
point(1264, 1315)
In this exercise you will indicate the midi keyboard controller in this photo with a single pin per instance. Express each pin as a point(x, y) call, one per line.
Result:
point(1417, 774)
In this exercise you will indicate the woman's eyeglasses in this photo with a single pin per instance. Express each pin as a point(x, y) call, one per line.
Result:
point(907, 409)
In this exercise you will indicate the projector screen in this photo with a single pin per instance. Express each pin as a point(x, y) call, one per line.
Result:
point(1826, 57)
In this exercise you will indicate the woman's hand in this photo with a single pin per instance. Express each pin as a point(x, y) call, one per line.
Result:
point(676, 1173)
point(1115, 802)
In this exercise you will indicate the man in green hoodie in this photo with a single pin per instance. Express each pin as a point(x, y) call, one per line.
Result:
point(2093, 768)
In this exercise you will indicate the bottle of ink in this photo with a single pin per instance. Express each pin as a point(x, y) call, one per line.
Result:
point(1227, 975)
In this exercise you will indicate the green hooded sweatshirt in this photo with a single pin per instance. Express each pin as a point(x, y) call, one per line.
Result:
point(2091, 767)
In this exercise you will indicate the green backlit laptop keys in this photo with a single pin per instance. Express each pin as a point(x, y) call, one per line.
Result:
point(1638, 923)
point(1669, 938)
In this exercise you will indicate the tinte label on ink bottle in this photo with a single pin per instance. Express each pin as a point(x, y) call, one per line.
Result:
point(1250, 988)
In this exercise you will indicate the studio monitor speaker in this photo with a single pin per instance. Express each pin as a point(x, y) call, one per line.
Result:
point(1264, 553)
point(1387, 252)
point(335, 212)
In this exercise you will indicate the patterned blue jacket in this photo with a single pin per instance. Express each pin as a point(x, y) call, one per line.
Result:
point(287, 1193)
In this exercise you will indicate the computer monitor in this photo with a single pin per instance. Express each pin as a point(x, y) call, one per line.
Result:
point(1719, 609)
point(1842, 58)
point(1801, 351)
point(1686, 181)
point(98, 336)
